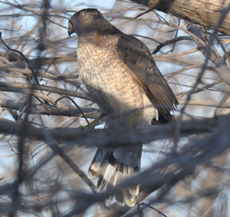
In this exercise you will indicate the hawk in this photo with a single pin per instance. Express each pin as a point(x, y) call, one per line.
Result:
point(121, 76)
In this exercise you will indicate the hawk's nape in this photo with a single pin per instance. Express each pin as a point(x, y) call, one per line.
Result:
point(121, 76)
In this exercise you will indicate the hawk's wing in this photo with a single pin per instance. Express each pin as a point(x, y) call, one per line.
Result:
point(136, 55)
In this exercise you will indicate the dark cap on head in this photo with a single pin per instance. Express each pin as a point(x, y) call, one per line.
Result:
point(88, 20)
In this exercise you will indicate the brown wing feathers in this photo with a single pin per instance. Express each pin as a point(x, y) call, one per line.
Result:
point(137, 56)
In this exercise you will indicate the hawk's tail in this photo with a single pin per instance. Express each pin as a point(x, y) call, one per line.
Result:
point(113, 166)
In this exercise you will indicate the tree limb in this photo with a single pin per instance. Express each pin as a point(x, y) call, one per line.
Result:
point(116, 137)
point(193, 11)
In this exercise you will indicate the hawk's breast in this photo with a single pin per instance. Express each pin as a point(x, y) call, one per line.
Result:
point(107, 78)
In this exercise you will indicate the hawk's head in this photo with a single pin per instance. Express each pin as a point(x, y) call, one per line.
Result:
point(88, 20)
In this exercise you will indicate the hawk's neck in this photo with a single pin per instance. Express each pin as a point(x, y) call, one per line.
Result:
point(98, 39)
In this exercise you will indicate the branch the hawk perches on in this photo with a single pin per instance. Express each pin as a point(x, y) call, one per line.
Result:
point(121, 76)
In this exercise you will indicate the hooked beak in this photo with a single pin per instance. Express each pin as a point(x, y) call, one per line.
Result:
point(70, 28)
